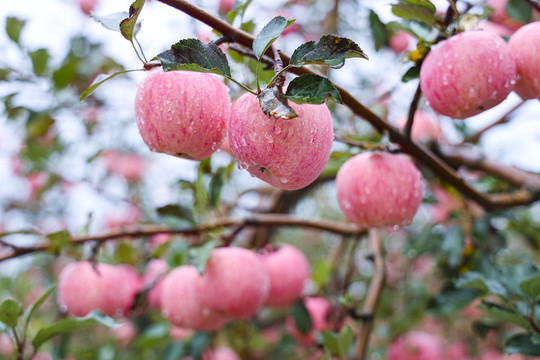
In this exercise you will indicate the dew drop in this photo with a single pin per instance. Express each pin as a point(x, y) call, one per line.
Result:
point(445, 80)
point(284, 180)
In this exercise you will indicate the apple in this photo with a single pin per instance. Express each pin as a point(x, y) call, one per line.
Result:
point(6, 347)
point(400, 41)
point(378, 189)
point(180, 306)
point(494, 27)
point(235, 282)
point(124, 333)
point(468, 73)
point(225, 6)
point(87, 6)
point(182, 113)
point(416, 345)
point(154, 268)
point(499, 15)
point(286, 153)
point(128, 166)
point(318, 309)
point(425, 127)
point(525, 49)
point(288, 269)
point(220, 353)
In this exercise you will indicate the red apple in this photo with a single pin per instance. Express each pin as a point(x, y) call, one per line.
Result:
point(525, 49)
point(87, 6)
point(154, 268)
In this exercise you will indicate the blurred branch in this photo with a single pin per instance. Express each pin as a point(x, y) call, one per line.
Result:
point(412, 110)
point(259, 220)
point(418, 151)
point(373, 294)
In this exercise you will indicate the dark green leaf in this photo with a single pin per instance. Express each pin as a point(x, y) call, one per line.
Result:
point(194, 55)
point(274, 103)
point(199, 255)
point(504, 314)
point(452, 245)
point(178, 211)
point(111, 21)
point(478, 281)
point(519, 10)
point(176, 350)
point(68, 325)
point(521, 344)
point(128, 24)
point(482, 328)
point(216, 184)
point(10, 310)
point(330, 343)
point(330, 50)
point(40, 58)
point(269, 33)
point(411, 74)
point(426, 4)
point(378, 30)
point(100, 80)
point(535, 339)
point(531, 286)
point(450, 300)
point(312, 89)
point(301, 317)
point(199, 342)
point(411, 12)
point(14, 27)
point(58, 240)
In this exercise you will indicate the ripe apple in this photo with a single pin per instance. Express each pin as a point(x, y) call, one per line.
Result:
point(400, 41)
point(154, 268)
point(425, 127)
point(525, 49)
point(235, 282)
point(182, 113)
point(225, 6)
point(318, 309)
point(87, 6)
point(288, 269)
point(286, 153)
point(468, 73)
point(124, 333)
point(379, 189)
point(416, 345)
point(180, 306)
point(6, 347)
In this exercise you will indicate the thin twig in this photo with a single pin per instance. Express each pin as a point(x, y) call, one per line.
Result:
point(412, 111)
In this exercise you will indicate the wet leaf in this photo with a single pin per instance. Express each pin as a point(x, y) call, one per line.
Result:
point(329, 50)
point(312, 89)
point(127, 25)
point(111, 21)
point(411, 74)
point(194, 55)
point(274, 103)
point(269, 33)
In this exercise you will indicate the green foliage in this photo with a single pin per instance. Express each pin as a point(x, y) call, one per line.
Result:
point(519, 10)
point(269, 33)
point(312, 89)
point(14, 27)
point(329, 50)
point(301, 317)
point(338, 344)
point(127, 26)
point(10, 311)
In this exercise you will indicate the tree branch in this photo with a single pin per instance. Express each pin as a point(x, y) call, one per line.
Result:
point(412, 111)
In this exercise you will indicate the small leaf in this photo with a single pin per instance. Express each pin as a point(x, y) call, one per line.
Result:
point(68, 325)
point(274, 103)
point(58, 240)
point(14, 27)
point(178, 211)
point(426, 4)
point(330, 343)
point(39, 58)
point(531, 286)
point(100, 80)
point(269, 33)
point(411, 12)
point(312, 89)
point(535, 339)
point(330, 50)
point(378, 30)
point(411, 74)
point(504, 314)
point(10, 311)
point(38, 303)
point(111, 21)
point(345, 338)
point(519, 10)
point(450, 300)
point(200, 254)
point(301, 317)
point(521, 344)
point(194, 55)
point(216, 184)
point(128, 24)
point(478, 281)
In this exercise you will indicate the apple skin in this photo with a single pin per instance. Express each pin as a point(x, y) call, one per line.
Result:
point(225, 6)
point(235, 282)
point(286, 153)
point(379, 189)
point(318, 309)
point(467, 74)
point(525, 48)
point(289, 269)
point(425, 127)
point(416, 345)
point(182, 113)
point(154, 268)
point(180, 306)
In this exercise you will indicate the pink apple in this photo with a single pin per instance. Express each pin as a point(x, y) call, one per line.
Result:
point(289, 269)
point(379, 189)
point(494, 27)
point(154, 268)
point(6, 347)
point(525, 48)
point(416, 345)
point(130, 284)
point(128, 166)
point(468, 73)
point(318, 309)
point(179, 333)
point(235, 282)
point(182, 113)
point(225, 6)
point(87, 6)
point(124, 333)
point(220, 353)
point(400, 41)
point(286, 153)
point(180, 306)
point(425, 127)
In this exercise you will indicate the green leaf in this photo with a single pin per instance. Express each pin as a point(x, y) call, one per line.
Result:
point(411, 74)
point(111, 21)
point(477, 281)
point(521, 344)
point(301, 317)
point(39, 58)
point(200, 254)
point(269, 33)
point(274, 103)
point(68, 325)
point(452, 245)
point(177, 211)
point(450, 300)
point(426, 4)
point(100, 80)
point(329, 50)
point(128, 24)
point(38, 125)
point(312, 89)
point(58, 240)
point(411, 12)
point(378, 30)
point(535, 339)
point(14, 27)
point(504, 314)
point(194, 55)
point(216, 184)
point(10, 311)
point(519, 10)
point(531, 286)
point(38, 303)
point(345, 338)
